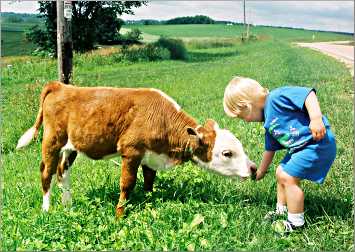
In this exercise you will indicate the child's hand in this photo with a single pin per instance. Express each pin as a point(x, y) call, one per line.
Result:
point(317, 128)
point(260, 174)
point(264, 165)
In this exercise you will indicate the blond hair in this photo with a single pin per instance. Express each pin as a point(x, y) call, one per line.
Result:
point(240, 93)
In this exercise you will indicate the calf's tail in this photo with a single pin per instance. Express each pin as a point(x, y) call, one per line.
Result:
point(32, 132)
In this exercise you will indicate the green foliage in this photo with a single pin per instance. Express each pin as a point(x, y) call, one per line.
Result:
point(147, 52)
point(211, 43)
point(134, 36)
point(150, 22)
point(198, 19)
point(132, 53)
point(92, 22)
point(175, 46)
point(41, 39)
point(108, 26)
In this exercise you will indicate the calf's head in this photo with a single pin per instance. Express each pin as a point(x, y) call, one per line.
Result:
point(218, 150)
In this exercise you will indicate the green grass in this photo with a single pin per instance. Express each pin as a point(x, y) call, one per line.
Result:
point(13, 39)
point(15, 43)
point(232, 211)
point(224, 31)
point(7, 26)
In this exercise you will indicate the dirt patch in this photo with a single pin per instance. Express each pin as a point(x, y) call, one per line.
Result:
point(341, 50)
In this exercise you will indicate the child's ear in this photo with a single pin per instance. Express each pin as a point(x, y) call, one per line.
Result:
point(244, 106)
point(266, 91)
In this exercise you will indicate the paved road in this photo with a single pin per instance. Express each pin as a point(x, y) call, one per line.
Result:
point(340, 50)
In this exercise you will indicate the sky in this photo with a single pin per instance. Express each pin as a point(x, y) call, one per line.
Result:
point(318, 15)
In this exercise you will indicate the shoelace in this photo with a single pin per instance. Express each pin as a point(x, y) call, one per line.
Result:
point(288, 226)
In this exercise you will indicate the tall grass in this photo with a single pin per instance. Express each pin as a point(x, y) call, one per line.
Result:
point(189, 209)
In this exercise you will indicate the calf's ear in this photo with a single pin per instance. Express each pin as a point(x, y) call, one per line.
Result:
point(211, 124)
point(193, 132)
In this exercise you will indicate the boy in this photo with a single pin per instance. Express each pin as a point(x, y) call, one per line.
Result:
point(293, 121)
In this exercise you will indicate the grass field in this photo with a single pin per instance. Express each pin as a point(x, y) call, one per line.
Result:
point(225, 31)
point(13, 39)
point(229, 214)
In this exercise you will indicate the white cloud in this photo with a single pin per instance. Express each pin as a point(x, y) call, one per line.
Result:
point(322, 15)
point(19, 6)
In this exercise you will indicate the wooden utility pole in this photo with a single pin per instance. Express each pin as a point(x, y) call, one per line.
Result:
point(64, 41)
point(244, 14)
point(246, 29)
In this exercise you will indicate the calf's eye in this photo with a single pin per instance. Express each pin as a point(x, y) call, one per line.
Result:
point(227, 153)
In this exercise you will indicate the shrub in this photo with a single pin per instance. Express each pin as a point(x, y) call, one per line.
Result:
point(211, 43)
point(130, 38)
point(133, 35)
point(148, 52)
point(175, 46)
point(252, 37)
point(157, 53)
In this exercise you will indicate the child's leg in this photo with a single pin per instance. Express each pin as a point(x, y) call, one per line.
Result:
point(281, 208)
point(290, 188)
point(281, 196)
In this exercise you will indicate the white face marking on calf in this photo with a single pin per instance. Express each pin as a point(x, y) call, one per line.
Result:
point(157, 161)
point(177, 106)
point(228, 157)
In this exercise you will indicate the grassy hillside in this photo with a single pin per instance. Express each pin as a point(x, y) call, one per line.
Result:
point(13, 39)
point(14, 43)
point(232, 211)
point(220, 30)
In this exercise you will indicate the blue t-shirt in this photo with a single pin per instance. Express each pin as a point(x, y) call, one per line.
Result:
point(287, 120)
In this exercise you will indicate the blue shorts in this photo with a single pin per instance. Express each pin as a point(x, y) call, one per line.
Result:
point(313, 161)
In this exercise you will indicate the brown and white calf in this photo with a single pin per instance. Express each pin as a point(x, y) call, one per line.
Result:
point(142, 125)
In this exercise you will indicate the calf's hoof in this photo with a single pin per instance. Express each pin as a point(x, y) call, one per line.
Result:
point(45, 207)
point(67, 199)
point(119, 212)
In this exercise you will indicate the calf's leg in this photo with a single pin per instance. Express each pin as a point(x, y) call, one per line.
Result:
point(149, 176)
point(128, 179)
point(63, 175)
point(50, 157)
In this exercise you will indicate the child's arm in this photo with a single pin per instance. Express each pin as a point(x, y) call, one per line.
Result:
point(315, 115)
point(265, 163)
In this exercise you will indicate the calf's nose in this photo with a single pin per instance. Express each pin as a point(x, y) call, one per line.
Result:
point(252, 167)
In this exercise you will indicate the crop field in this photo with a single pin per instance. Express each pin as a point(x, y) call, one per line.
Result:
point(189, 208)
point(13, 39)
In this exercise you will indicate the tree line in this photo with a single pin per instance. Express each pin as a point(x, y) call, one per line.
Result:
point(198, 19)
point(93, 22)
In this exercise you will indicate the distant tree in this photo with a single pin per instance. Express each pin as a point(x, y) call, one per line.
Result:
point(14, 19)
point(92, 22)
point(108, 26)
point(150, 22)
point(199, 19)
